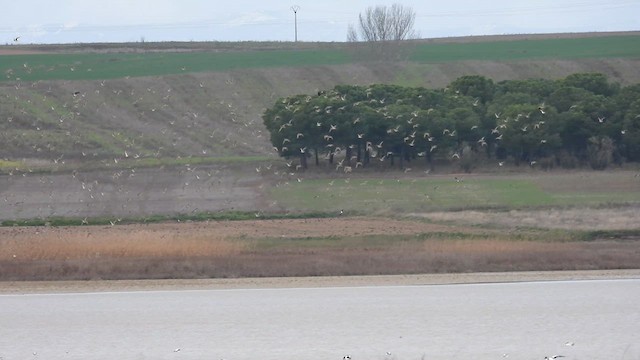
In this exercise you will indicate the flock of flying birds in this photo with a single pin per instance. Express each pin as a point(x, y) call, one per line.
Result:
point(152, 107)
point(376, 150)
point(149, 107)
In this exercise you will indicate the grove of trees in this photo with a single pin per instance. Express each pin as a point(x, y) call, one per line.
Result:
point(580, 120)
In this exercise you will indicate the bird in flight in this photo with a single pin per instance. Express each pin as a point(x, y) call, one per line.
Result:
point(16, 38)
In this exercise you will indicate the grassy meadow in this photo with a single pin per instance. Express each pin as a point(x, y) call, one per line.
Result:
point(110, 65)
point(391, 226)
point(372, 195)
point(596, 47)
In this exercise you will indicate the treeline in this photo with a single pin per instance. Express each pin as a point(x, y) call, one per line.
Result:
point(581, 120)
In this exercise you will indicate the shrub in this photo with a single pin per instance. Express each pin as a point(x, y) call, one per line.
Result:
point(567, 161)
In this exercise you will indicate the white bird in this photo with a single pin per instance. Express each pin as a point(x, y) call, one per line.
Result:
point(601, 119)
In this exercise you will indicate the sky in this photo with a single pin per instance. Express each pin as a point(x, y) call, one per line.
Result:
point(82, 21)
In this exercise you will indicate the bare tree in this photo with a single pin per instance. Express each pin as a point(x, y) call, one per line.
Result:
point(382, 23)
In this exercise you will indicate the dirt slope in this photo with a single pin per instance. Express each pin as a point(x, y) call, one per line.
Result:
point(214, 114)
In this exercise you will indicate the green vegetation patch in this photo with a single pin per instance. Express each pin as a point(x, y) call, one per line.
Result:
point(204, 216)
point(92, 66)
point(10, 164)
point(407, 195)
point(594, 47)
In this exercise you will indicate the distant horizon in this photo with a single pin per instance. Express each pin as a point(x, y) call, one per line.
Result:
point(123, 21)
point(602, 33)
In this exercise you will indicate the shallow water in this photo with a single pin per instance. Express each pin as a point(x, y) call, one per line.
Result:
point(476, 321)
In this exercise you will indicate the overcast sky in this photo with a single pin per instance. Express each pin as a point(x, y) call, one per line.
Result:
point(68, 21)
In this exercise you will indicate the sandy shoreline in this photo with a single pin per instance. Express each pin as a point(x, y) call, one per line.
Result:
point(39, 287)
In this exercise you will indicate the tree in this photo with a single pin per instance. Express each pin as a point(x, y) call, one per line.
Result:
point(382, 23)
point(382, 29)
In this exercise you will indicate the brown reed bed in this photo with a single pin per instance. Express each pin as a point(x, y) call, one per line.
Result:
point(267, 249)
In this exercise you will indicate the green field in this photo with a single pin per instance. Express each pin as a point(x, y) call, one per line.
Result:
point(596, 47)
point(91, 66)
point(94, 66)
point(380, 196)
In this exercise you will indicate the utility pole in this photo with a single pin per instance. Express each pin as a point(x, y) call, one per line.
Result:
point(295, 9)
